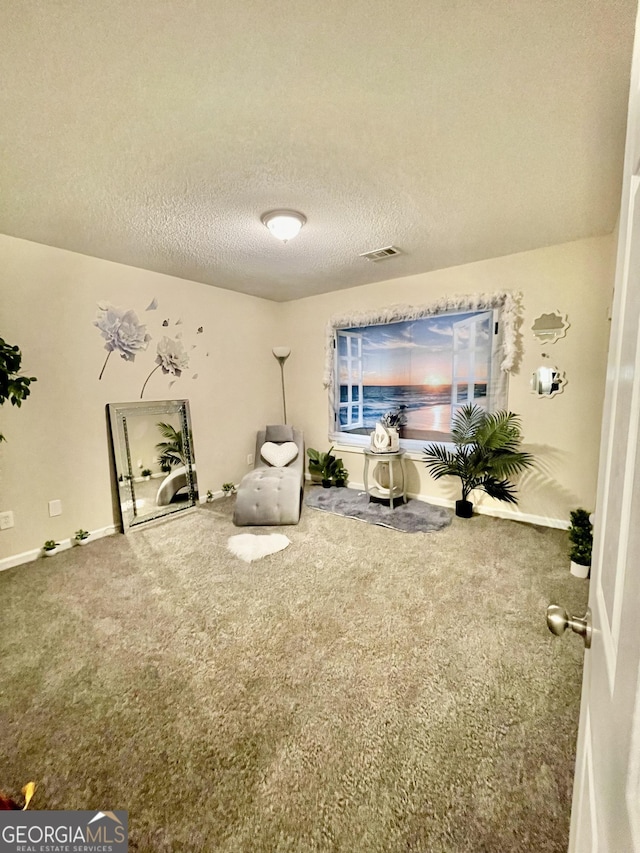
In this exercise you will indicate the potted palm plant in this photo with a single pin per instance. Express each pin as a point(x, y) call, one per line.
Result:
point(486, 454)
point(172, 449)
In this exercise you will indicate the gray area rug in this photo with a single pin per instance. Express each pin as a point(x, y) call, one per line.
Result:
point(362, 691)
point(412, 517)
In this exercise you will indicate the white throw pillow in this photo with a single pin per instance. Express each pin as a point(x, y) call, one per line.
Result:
point(279, 455)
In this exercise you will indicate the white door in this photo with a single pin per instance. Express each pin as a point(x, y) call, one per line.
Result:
point(606, 803)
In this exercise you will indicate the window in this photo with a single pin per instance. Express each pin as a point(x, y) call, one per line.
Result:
point(429, 366)
point(350, 404)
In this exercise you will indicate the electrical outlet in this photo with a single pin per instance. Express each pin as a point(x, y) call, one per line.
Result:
point(55, 508)
point(6, 520)
point(250, 459)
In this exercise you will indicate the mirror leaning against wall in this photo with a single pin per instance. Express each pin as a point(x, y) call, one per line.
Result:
point(153, 460)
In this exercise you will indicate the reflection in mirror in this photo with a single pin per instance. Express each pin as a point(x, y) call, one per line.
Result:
point(154, 462)
point(547, 328)
point(547, 381)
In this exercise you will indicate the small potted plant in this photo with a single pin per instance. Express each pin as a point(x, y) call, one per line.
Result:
point(228, 489)
point(581, 538)
point(146, 473)
point(81, 537)
point(340, 474)
point(322, 464)
point(50, 547)
point(209, 496)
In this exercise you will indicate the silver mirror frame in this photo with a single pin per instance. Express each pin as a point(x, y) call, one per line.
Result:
point(548, 328)
point(122, 416)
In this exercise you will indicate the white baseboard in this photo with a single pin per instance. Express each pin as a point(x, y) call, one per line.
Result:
point(29, 556)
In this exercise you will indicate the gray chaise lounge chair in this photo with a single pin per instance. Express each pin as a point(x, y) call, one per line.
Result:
point(269, 494)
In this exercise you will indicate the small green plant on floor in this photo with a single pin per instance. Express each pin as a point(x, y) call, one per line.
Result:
point(321, 464)
point(81, 535)
point(147, 472)
point(50, 545)
point(209, 496)
point(228, 489)
point(329, 468)
point(340, 473)
point(581, 537)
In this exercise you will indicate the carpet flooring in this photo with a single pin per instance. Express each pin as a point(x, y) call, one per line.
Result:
point(412, 517)
point(362, 691)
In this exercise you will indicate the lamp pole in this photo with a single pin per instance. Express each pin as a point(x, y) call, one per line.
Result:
point(282, 354)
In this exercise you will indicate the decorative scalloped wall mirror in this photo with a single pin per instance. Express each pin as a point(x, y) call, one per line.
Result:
point(547, 328)
point(547, 381)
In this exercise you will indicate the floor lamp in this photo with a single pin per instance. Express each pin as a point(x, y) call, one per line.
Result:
point(282, 354)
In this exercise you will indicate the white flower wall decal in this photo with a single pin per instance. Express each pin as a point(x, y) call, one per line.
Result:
point(171, 358)
point(122, 331)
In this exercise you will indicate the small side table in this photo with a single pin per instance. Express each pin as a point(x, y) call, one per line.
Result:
point(395, 490)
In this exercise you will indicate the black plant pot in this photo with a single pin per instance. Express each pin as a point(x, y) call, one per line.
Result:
point(464, 509)
point(326, 484)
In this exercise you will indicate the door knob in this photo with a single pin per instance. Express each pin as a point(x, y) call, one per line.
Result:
point(558, 620)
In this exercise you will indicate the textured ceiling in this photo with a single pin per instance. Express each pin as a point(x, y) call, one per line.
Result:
point(156, 133)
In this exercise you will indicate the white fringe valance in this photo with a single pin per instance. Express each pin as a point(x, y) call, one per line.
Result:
point(507, 301)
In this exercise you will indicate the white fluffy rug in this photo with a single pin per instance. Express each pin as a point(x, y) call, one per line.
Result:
point(252, 546)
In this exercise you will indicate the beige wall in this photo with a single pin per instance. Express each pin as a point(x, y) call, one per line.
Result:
point(57, 444)
point(563, 432)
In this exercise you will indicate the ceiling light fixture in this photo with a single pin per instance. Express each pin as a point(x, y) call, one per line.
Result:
point(283, 224)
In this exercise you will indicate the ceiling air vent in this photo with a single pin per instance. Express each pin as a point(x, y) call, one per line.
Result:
point(381, 254)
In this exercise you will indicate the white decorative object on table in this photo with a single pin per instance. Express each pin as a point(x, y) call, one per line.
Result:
point(385, 439)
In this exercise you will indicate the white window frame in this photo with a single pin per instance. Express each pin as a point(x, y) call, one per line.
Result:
point(469, 354)
point(349, 365)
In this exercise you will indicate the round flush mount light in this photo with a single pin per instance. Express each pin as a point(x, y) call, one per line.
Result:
point(284, 224)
